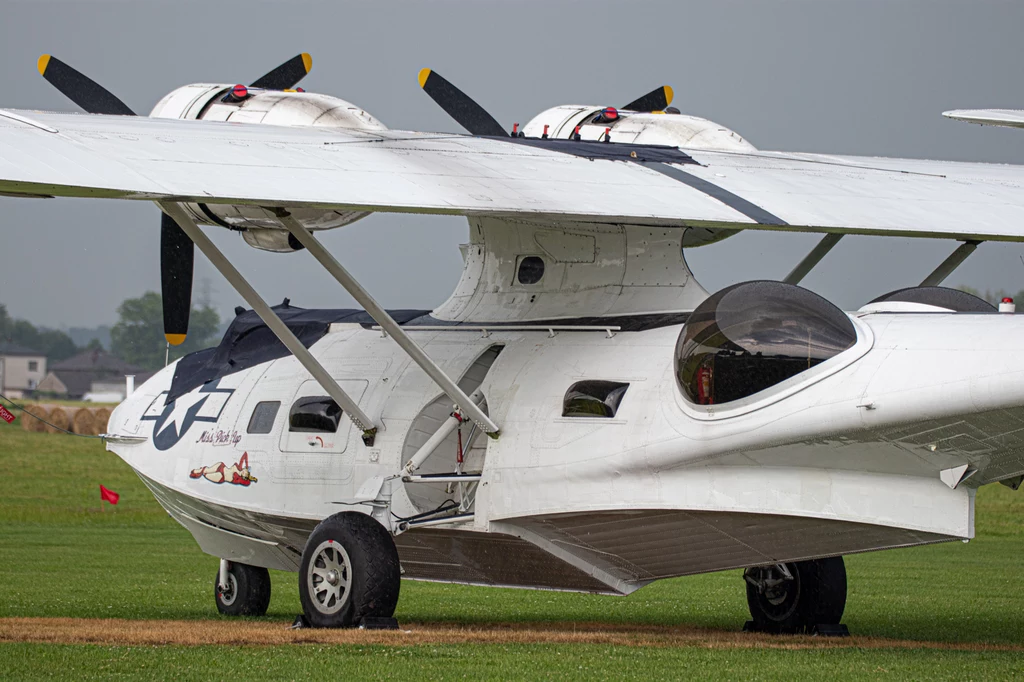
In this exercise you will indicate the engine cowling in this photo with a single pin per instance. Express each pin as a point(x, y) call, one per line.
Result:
point(215, 102)
point(634, 127)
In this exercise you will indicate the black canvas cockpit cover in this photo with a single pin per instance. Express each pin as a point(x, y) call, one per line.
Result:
point(248, 342)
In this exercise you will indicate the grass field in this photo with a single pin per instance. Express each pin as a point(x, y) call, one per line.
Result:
point(62, 554)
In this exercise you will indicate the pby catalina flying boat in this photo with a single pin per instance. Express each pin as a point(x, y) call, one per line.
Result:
point(580, 414)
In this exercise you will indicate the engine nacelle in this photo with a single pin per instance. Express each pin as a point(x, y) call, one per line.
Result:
point(215, 102)
point(674, 130)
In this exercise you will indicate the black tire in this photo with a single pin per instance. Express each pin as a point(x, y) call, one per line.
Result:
point(366, 568)
point(815, 596)
point(249, 591)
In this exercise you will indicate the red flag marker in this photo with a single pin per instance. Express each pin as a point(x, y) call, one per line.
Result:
point(5, 415)
point(109, 495)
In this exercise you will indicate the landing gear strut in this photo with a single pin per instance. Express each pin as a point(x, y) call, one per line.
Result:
point(349, 572)
point(805, 596)
point(246, 591)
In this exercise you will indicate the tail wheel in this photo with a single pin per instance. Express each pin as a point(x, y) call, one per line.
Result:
point(797, 596)
point(349, 571)
point(247, 592)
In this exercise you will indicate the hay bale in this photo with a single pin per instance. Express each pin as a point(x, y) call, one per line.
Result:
point(102, 415)
point(83, 422)
point(34, 425)
point(60, 419)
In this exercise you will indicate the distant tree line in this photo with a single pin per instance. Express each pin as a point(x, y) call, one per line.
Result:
point(137, 338)
point(56, 345)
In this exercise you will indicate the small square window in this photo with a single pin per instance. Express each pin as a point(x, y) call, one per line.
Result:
point(593, 399)
point(316, 414)
point(33, 366)
point(262, 420)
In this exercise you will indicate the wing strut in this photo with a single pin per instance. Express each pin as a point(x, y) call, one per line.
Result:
point(947, 266)
point(270, 318)
point(387, 323)
point(826, 244)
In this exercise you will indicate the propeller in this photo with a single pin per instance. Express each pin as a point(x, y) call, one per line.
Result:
point(81, 89)
point(459, 105)
point(177, 252)
point(475, 119)
point(286, 76)
point(655, 100)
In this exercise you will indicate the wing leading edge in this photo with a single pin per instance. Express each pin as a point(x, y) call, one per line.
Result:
point(46, 154)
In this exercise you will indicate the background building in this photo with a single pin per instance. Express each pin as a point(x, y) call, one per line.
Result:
point(21, 369)
point(93, 371)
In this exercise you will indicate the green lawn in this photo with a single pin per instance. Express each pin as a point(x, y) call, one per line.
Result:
point(63, 554)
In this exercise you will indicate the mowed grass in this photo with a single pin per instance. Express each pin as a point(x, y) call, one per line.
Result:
point(63, 553)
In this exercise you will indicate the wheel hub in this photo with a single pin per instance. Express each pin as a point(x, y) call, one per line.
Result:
point(329, 577)
point(228, 594)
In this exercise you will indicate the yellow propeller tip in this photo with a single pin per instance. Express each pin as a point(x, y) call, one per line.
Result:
point(43, 62)
point(307, 61)
point(424, 75)
point(175, 339)
point(668, 95)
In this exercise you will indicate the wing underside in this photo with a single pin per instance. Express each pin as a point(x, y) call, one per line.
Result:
point(73, 155)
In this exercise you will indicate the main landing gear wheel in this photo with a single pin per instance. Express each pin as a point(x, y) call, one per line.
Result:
point(349, 571)
point(247, 593)
point(796, 597)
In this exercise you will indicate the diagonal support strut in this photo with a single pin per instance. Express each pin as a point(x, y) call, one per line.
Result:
point(819, 251)
point(270, 318)
point(951, 263)
point(387, 323)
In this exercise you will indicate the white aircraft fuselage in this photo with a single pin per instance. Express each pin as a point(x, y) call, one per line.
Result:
point(861, 452)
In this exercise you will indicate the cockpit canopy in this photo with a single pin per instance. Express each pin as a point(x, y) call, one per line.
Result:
point(753, 335)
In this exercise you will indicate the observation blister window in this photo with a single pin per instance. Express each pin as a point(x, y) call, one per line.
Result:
point(940, 297)
point(751, 336)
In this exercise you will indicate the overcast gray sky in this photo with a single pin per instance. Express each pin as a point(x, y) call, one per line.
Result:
point(842, 76)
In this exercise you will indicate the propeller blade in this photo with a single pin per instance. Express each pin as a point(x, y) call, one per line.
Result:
point(286, 76)
point(81, 89)
point(459, 106)
point(655, 100)
point(177, 256)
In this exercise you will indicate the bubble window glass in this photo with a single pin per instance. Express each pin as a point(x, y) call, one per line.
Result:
point(754, 335)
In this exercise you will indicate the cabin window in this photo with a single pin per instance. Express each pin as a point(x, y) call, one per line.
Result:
point(593, 399)
point(751, 336)
point(33, 366)
point(318, 414)
point(263, 416)
point(531, 269)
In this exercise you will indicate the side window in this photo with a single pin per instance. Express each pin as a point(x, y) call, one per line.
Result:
point(33, 366)
point(263, 416)
point(593, 399)
point(531, 269)
point(318, 414)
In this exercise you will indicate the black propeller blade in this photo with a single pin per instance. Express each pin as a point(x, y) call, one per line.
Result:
point(177, 252)
point(177, 258)
point(655, 100)
point(81, 89)
point(286, 76)
point(459, 105)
